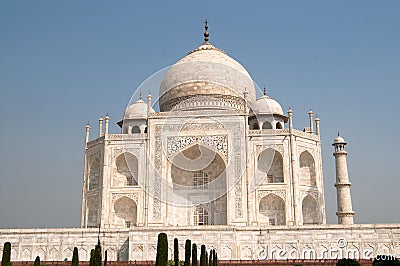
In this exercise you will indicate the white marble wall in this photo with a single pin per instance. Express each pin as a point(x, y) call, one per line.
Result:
point(280, 242)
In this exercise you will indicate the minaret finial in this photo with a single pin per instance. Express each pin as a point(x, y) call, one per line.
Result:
point(140, 94)
point(265, 91)
point(338, 134)
point(206, 34)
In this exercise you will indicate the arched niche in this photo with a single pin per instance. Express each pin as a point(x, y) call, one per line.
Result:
point(272, 209)
point(199, 172)
point(310, 210)
point(135, 130)
point(127, 170)
point(125, 210)
point(266, 125)
point(270, 163)
point(307, 169)
point(94, 174)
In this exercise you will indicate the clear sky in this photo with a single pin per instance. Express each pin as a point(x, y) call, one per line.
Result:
point(63, 63)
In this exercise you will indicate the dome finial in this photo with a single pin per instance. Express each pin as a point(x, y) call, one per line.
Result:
point(140, 94)
point(265, 91)
point(206, 34)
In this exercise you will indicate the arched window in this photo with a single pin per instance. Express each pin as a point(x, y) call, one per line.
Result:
point(270, 163)
point(307, 169)
point(266, 125)
point(145, 130)
point(278, 125)
point(135, 130)
point(272, 208)
point(126, 211)
point(92, 212)
point(310, 210)
point(201, 216)
point(200, 179)
point(127, 168)
point(94, 174)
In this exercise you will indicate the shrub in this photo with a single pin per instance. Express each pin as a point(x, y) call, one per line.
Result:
point(188, 250)
point(203, 259)
point(75, 257)
point(176, 252)
point(194, 255)
point(5, 261)
point(162, 250)
point(37, 261)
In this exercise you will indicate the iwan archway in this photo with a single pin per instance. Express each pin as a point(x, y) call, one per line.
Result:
point(198, 176)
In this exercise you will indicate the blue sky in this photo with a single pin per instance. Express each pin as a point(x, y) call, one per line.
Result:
point(63, 63)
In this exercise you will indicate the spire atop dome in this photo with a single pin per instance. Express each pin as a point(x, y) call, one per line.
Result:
point(140, 94)
point(206, 34)
point(265, 91)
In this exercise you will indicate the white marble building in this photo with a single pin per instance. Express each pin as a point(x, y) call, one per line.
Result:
point(216, 165)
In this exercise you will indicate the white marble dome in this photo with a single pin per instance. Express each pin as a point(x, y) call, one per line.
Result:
point(267, 105)
point(136, 110)
point(205, 72)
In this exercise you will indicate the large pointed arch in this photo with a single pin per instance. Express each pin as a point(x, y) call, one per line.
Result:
point(127, 170)
point(307, 169)
point(310, 210)
point(272, 210)
point(197, 172)
point(125, 210)
point(94, 174)
point(270, 162)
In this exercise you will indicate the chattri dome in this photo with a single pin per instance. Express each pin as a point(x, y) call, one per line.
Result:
point(206, 78)
point(267, 105)
point(137, 110)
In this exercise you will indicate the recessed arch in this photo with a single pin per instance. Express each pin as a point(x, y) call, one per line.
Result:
point(270, 163)
point(94, 174)
point(135, 130)
point(310, 210)
point(198, 172)
point(127, 170)
point(307, 169)
point(266, 125)
point(278, 125)
point(272, 209)
point(126, 211)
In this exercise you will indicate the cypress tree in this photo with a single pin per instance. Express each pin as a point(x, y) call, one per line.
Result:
point(97, 255)
point(75, 258)
point(203, 260)
point(105, 258)
point(194, 255)
point(215, 258)
point(5, 261)
point(162, 250)
point(207, 258)
point(176, 252)
point(91, 263)
point(37, 261)
point(188, 247)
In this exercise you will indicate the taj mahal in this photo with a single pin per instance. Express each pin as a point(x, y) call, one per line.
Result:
point(209, 161)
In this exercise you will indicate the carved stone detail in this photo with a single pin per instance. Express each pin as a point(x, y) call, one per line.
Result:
point(262, 193)
point(277, 147)
point(132, 196)
point(314, 194)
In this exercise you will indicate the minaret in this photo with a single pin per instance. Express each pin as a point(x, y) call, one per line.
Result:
point(106, 119)
point(87, 134)
point(310, 115)
point(100, 126)
point(345, 211)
